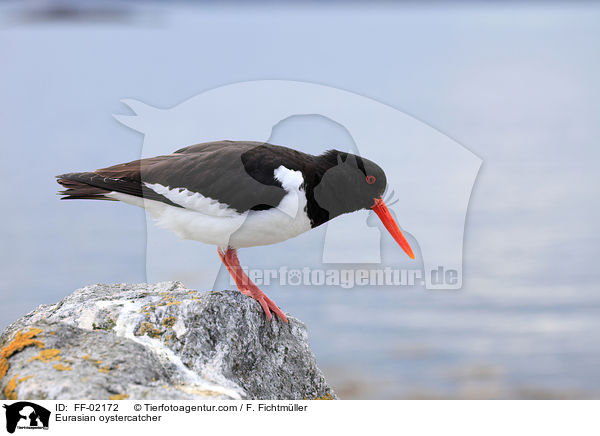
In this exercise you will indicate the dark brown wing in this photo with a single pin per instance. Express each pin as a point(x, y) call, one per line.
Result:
point(236, 173)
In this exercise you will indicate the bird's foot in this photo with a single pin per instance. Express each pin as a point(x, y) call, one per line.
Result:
point(266, 303)
point(246, 286)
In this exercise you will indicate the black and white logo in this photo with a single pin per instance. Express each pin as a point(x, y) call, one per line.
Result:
point(26, 415)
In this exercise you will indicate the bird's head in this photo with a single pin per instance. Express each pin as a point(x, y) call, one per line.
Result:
point(352, 183)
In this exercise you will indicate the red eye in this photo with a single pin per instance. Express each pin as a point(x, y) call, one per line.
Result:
point(370, 180)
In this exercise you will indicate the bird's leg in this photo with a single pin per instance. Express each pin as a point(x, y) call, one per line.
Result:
point(245, 285)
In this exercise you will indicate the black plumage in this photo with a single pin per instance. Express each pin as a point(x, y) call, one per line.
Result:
point(239, 174)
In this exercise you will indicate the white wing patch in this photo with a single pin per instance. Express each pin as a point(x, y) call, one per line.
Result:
point(290, 181)
point(193, 200)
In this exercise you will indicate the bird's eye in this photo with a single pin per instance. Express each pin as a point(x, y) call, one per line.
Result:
point(370, 179)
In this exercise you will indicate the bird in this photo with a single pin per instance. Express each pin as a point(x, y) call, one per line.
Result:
point(240, 194)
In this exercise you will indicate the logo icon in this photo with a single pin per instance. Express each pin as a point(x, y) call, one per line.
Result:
point(26, 415)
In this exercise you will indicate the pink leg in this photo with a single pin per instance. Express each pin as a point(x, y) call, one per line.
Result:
point(245, 285)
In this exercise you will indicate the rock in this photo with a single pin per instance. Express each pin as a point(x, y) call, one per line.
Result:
point(159, 341)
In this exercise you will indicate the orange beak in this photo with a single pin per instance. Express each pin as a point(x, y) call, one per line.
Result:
point(386, 218)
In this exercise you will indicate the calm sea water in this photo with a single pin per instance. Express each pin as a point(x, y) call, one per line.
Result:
point(517, 85)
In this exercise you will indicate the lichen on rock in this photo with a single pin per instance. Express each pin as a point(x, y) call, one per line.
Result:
point(157, 341)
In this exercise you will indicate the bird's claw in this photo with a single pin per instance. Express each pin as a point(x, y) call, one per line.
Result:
point(245, 285)
point(266, 303)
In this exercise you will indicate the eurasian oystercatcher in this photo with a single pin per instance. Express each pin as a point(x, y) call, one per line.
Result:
point(237, 194)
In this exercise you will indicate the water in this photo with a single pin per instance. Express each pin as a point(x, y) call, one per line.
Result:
point(516, 84)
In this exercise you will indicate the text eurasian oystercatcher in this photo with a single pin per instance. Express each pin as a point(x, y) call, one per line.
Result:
point(236, 194)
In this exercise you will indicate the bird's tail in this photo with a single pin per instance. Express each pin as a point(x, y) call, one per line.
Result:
point(77, 187)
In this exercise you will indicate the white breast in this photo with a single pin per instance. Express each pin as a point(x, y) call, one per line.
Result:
point(206, 220)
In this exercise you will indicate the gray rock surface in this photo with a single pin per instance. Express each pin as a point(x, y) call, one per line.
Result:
point(159, 341)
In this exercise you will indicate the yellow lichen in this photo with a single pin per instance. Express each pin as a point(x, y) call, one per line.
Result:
point(145, 309)
point(11, 386)
point(61, 367)
point(169, 321)
point(3, 367)
point(148, 329)
point(86, 357)
point(119, 397)
point(9, 390)
point(167, 299)
point(324, 397)
point(47, 355)
point(20, 341)
point(103, 369)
